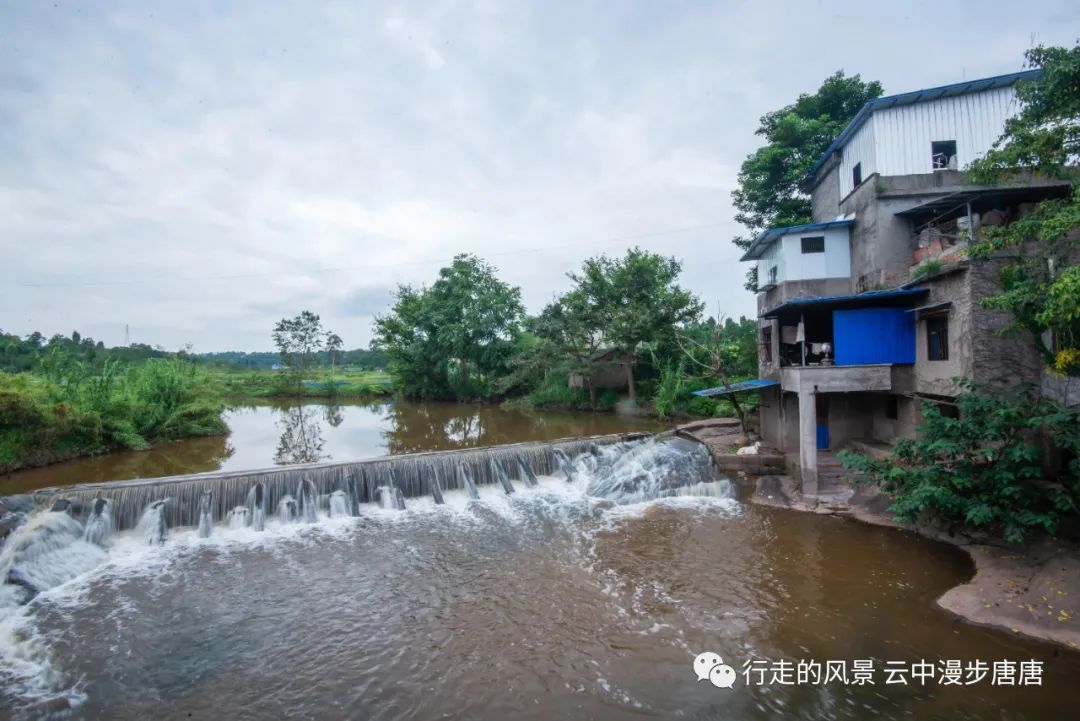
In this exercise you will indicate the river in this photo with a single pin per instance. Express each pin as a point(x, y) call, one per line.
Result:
point(581, 600)
point(269, 434)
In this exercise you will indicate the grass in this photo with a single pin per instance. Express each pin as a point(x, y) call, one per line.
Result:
point(320, 383)
point(69, 410)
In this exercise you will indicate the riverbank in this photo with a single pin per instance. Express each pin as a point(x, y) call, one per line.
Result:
point(1033, 589)
point(51, 418)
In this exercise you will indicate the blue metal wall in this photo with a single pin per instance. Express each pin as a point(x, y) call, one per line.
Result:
point(874, 335)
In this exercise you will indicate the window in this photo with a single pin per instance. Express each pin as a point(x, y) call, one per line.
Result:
point(766, 345)
point(937, 338)
point(892, 407)
point(948, 410)
point(814, 245)
point(772, 275)
point(856, 175)
point(943, 154)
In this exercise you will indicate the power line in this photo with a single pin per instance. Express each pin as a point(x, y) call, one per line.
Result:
point(144, 280)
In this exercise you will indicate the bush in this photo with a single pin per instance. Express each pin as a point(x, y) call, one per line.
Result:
point(984, 470)
point(74, 410)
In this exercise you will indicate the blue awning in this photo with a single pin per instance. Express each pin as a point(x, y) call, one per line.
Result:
point(868, 299)
point(750, 385)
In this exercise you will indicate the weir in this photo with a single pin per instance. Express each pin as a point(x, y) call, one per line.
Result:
point(206, 498)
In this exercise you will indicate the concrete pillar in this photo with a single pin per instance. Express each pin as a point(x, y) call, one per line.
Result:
point(808, 441)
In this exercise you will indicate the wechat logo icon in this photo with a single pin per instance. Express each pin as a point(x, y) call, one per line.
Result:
point(710, 666)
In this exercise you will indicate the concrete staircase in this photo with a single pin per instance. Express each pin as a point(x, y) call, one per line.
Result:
point(831, 474)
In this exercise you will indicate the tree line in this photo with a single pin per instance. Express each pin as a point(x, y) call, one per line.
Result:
point(467, 336)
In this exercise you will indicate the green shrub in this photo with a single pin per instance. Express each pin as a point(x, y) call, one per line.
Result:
point(70, 409)
point(984, 470)
point(669, 391)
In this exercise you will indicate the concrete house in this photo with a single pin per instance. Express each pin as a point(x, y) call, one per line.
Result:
point(873, 307)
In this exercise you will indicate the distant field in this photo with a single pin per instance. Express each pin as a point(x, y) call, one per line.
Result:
point(316, 384)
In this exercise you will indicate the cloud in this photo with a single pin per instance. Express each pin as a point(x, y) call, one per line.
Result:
point(198, 173)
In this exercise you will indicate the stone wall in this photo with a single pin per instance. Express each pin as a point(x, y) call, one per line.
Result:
point(935, 377)
point(999, 361)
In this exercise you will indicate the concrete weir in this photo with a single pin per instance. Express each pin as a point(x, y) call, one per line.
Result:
point(188, 496)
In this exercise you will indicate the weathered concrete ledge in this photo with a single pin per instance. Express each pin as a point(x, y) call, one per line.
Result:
point(1032, 590)
point(724, 437)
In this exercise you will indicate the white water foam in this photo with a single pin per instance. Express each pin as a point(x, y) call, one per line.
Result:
point(612, 486)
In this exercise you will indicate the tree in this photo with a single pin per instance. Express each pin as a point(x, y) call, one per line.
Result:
point(633, 300)
point(1042, 284)
point(720, 350)
point(298, 339)
point(796, 136)
point(334, 344)
point(570, 332)
point(453, 339)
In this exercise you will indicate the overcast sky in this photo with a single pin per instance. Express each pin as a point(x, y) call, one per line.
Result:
point(198, 174)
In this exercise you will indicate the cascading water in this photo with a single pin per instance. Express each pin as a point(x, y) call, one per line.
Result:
point(391, 499)
point(152, 524)
point(413, 474)
point(206, 514)
point(99, 525)
point(644, 471)
point(465, 481)
point(306, 498)
point(238, 517)
point(339, 504)
point(564, 464)
point(287, 510)
point(45, 551)
point(525, 472)
point(436, 486)
point(256, 504)
point(500, 474)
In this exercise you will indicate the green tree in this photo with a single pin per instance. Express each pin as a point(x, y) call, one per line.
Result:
point(796, 135)
point(571, 330)
point(633, 300)
point(453, 339)
point(1042, 285)
point(298, 339)
point(334, 344)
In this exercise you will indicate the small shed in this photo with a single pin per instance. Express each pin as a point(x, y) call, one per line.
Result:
point(608, 371)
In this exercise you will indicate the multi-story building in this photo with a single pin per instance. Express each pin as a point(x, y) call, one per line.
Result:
point(874, 307)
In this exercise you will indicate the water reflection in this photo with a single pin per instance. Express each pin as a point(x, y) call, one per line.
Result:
point(270, 434)
point(301, 438)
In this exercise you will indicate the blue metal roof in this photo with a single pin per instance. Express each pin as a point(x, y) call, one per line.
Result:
point(868, 298)
point(751, 385)
point(920, 96)
point(770, 236)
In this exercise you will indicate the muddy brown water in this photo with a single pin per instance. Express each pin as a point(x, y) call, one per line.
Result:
point(547, 604)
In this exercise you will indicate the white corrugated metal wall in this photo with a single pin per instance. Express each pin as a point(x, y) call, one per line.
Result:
point(896, 141)
point(859, 149)
point(903, 135)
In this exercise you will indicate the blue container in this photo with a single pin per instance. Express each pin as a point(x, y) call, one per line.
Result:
point(874, 335)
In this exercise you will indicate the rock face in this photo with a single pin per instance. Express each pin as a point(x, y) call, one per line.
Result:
point(1034, 590)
